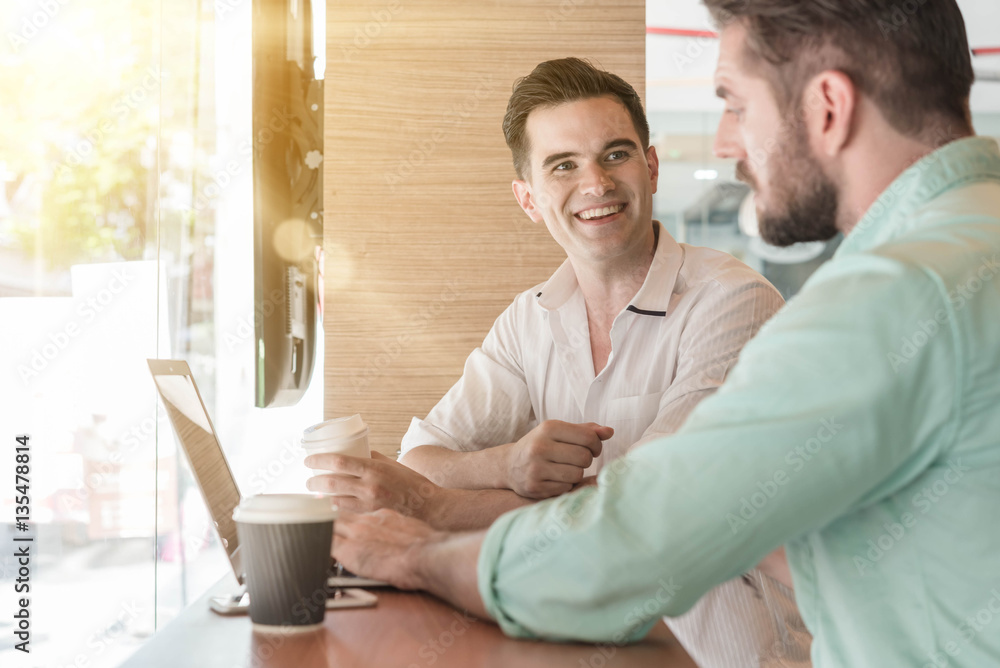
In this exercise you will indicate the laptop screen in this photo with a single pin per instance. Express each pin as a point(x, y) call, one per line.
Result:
point(201, 445)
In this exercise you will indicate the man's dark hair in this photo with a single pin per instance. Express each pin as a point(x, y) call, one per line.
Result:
point(556, 82)
point(911, 57)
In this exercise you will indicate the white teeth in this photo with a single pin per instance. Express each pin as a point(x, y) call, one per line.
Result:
point(597, 213)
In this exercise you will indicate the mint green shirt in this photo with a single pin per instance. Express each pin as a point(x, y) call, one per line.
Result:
point(860, 429)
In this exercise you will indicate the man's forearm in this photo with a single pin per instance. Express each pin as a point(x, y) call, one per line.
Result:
point(448, 568)
point(480, 469)
point(468, 509)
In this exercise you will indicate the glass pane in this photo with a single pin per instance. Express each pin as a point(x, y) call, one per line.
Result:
point(78, 276)
point(207, 310)
point(699, 197)
point(125, 165)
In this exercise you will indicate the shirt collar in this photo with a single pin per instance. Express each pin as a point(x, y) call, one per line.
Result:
point(653, 298)
point(955, 164)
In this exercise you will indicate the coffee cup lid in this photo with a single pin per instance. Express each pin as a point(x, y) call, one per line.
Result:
point(333, 443)
point(286, 509)
point(342, 427)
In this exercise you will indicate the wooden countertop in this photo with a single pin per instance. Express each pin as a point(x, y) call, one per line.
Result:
point(405, 630)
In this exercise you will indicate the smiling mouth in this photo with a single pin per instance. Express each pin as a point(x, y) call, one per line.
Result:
point(601, 212)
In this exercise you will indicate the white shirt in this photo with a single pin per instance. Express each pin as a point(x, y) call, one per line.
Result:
point(670, 348)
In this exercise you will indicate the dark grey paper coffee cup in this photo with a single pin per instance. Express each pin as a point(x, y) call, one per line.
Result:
point(285, 545)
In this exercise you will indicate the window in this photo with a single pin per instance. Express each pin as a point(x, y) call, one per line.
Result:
point(126, 233)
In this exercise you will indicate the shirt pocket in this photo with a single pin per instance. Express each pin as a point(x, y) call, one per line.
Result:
point(642, 408)
point(630, 417)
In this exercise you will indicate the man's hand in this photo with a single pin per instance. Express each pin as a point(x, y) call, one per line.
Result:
point(383, 545)
point(410, 554)
point(363, 485)
point(551, 458)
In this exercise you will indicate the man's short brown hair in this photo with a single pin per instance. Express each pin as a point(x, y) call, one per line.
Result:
point(556, 82)
point(911, 57)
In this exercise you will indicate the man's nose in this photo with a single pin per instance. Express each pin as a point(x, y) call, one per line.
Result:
point(596, 181)
point(727, 139)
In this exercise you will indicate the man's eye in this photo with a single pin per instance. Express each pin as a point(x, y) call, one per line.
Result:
point(618, 155)
point(563, 166)
point(735, 112)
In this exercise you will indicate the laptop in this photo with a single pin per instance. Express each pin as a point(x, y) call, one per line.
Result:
point(186, 410)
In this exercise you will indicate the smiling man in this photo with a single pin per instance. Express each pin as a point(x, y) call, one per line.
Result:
point(859, 429)
point(614, 350)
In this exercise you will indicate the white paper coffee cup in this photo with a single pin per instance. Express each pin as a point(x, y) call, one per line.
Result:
point(343, 436)
point(285, 541)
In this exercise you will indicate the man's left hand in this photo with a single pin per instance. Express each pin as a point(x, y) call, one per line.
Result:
point(382, 545)
point(363, 485)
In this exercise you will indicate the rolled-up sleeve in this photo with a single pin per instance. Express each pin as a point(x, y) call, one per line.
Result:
point(813, 416)
point(490, 404)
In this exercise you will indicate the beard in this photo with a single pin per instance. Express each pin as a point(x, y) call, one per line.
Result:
point(807, 197)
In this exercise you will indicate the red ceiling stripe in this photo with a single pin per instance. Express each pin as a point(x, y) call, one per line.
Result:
point(679, 32)
point(685, 32)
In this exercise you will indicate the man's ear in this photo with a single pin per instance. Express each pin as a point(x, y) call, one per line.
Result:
point(654, 166)
point(524, 197)
point(829, 104)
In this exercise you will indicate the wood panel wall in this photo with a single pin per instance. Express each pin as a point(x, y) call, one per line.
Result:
point(425, 245)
